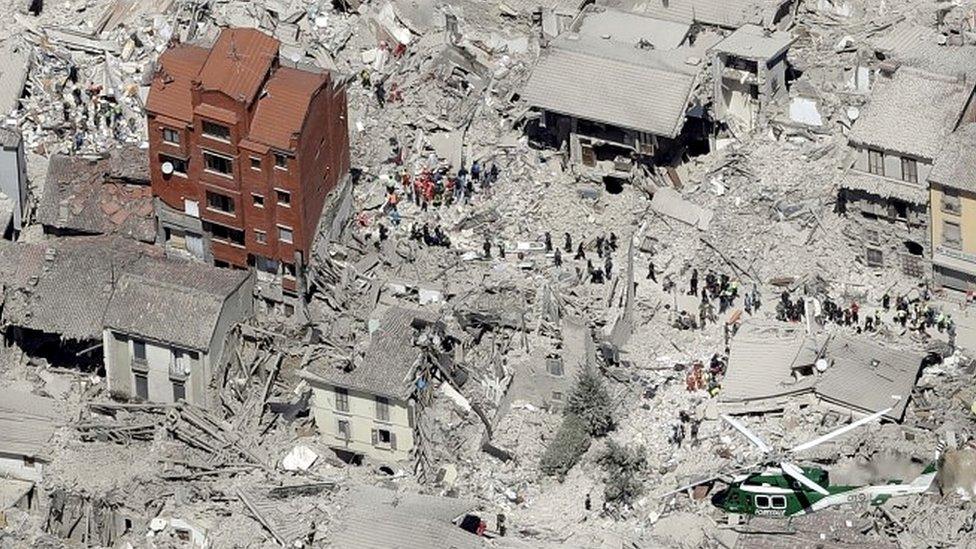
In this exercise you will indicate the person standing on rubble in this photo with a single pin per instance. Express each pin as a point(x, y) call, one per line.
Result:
point(557, 258)
point(548, 241)
point(702, 314)
point(612, 241)
point(487, 248)
point(599, 247)
point(567, 243)
point(580, 254)
point(608, 267)
point(651, 275)
point(855, 309)
point(380, 91)
point(693, 288)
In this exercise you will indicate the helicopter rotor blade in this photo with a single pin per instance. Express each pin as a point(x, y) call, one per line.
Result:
point(797, 473)
point(765, 448)
point(838, 432)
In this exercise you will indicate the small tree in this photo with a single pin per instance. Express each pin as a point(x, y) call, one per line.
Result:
point(590, 400)
point(570, 443)
point(623, 466)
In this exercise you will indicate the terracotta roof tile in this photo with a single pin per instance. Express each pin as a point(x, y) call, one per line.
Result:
point(238, 63)
point(282, 110)
point(170, 92)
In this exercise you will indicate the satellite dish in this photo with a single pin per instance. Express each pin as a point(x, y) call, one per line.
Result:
point(821, 365)
point(167, 168)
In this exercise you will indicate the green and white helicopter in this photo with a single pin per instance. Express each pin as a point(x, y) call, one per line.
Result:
point(782, 489)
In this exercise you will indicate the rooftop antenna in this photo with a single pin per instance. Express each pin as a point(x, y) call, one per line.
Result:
point(233, 47)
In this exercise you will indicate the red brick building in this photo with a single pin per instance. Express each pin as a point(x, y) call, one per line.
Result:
point(244, 151)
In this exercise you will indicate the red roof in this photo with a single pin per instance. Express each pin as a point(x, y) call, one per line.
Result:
point(238, 63)
point(170, 91)
point(282, 110)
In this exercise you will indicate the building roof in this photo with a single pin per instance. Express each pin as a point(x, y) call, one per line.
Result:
point(761, 361)
point(918, 46)
point(27, 422)
point(956, 165)
point(630, 28)
point(912, 112)
point(753, 42)
point(238, 63)
point(884, 187)
point(720, 13)
point(170, 94)
point(376, 517)
point(867, 376)
point(150, 300)
point(387, 368)
point(282, 110)
point(764, 355)
point(79, 196)
point(613, 83)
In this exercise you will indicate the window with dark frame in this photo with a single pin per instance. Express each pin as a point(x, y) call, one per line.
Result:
point(876, 162)
point(218, 164)
point(341, 399)
point(909, 170)
point(257, 200)
point(179, 390)
point(215, 130)
point(171, 136)
point(284, 197)
point(179, 164)
point(260, 237)
point(950, 202)
point(139, 350)
point(382, 409)
point(281, 161)
point(142, 385)
point(221, 233)
point(762, 502)
point(285, 234)
point(220, 202)
point(874, 257)
point(344, 429)
point(255, 163)
point(778, 502)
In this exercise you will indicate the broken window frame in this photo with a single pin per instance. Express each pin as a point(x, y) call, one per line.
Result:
point(215, 163)
point(179, 389)
point(257, 200)
point(224, 234)
point(909, 170)
point(951, 202)
point(876, 162)
point(344, 429)
point(378, 441)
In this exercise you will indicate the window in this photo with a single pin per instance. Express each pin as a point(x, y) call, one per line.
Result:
point(344, 429)
point(288, 269)
point(554, 366)
point(225, 234)
point(255, 163)
point(873, 257)
point(899, 210)
point(285, 234)
point(284, 198)
point(778, 502)
point(29, 462)
point(384, 438)
point(289, 310)
point(142, 385)
point(179, 390)
point(950, 202)
point(382, 409)
point(257, 200)
point(179, 164)
point(909, 170)
point(217, 131)
point(872, 236)
point(281, 161)
point(951, 235)
point(218, 164)
point(220, 203)
point(875, 162)
point(260, 237)
point(342, 399)
point(557, 396)
point(171, 136)
point(762, 502)
point(139, 350)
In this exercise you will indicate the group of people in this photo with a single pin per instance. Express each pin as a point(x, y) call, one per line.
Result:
point(435, 237)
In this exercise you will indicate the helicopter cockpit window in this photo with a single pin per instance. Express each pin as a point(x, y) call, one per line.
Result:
point(778, 502)
point(762, 502)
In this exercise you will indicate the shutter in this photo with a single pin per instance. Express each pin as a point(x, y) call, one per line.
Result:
point(376, 437)
point(392, 440)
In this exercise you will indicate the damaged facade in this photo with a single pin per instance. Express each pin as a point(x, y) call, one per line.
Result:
point(894, 142)
point(952, 183)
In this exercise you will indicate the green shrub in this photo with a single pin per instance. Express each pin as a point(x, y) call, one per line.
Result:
point(572, 440)
point(623, 467)
point(590, 400)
